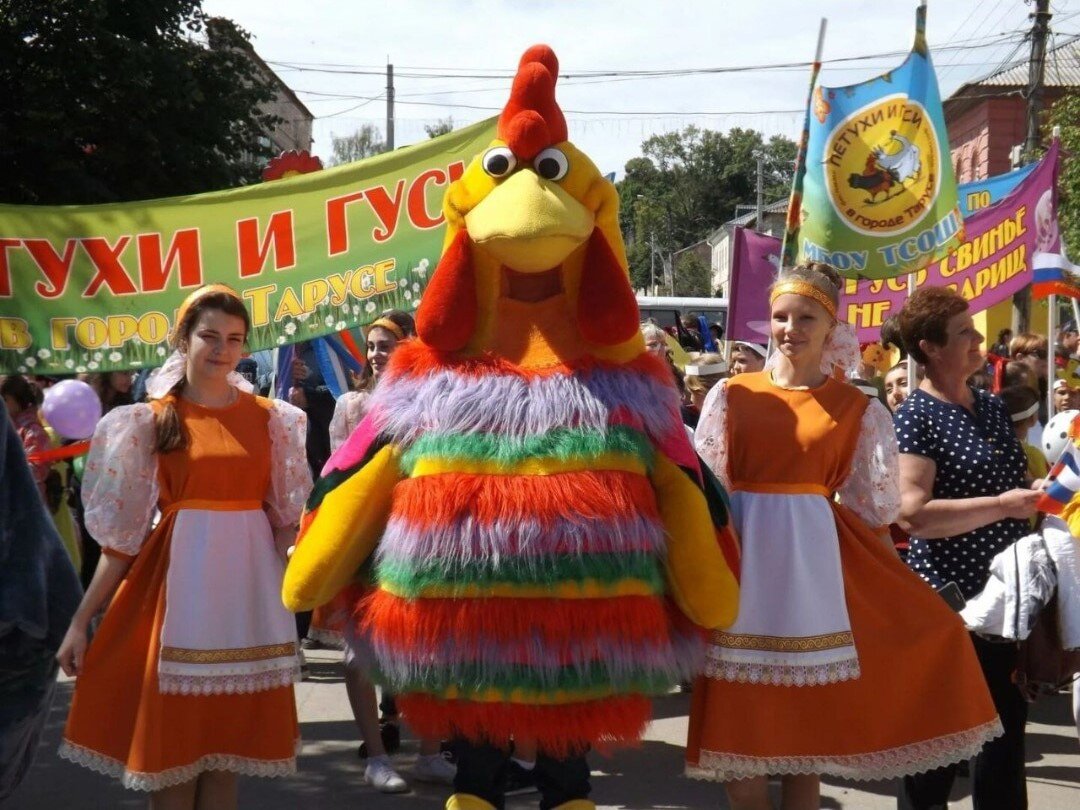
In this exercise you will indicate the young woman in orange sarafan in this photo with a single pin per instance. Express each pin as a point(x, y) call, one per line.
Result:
point(188, 679)
point(860, 670)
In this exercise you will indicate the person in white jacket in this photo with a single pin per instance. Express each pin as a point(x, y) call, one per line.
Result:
point(1025, 575)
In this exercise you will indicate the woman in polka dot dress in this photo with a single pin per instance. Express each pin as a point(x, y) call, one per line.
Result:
point(965, 496)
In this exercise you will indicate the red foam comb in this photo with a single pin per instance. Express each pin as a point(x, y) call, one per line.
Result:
point(532, 120)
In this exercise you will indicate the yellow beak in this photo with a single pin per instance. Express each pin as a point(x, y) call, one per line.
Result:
point(529, 224)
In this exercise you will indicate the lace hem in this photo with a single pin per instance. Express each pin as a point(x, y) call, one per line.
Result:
point(172, 684)
point(887, 764)
point(136, 780)
point(783, 675)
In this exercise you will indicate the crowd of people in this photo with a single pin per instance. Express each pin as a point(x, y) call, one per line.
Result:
point(843, 480)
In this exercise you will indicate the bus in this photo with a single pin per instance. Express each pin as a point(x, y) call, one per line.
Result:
point(665, 312)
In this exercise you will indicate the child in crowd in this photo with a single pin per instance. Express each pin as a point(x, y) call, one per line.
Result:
point(747, 357)
point(1023, 406)
point(896, 384)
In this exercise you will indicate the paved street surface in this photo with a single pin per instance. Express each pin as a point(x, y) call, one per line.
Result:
point(649, 776)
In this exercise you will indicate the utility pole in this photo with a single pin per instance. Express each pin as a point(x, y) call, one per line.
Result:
point(652, 263)
point(760, 191)
point(389, 107)
point(1036, 73)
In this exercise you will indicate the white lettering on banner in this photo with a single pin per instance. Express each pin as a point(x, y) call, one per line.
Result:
point(842, 260)
point(911, 249)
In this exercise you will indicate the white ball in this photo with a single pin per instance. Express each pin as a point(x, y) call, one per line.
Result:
point(1055, 436)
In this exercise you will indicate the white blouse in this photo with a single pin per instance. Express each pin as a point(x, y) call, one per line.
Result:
point(348, 413)
point(120, 485)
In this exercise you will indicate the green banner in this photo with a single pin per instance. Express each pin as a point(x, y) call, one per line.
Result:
point(96, 287)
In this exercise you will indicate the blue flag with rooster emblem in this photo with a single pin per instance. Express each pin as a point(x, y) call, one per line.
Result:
point(878, 198)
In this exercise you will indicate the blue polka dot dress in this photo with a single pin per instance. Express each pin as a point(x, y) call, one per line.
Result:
point(977, 455)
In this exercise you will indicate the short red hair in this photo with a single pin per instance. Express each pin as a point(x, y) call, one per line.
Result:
point(925, 316)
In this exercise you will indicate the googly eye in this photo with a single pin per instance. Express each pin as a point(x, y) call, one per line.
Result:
point(551, 164)
point(499, 161)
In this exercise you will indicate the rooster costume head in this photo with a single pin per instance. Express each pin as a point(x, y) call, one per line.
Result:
point(532, 212)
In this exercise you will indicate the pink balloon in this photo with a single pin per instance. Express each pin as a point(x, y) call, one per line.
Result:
point(72, 407)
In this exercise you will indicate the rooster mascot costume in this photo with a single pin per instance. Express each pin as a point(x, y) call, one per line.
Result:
point(547, 552)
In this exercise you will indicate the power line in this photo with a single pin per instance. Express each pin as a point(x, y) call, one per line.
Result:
point(612, 113)
point(501, 87)
point(946, 67)
point(363, 103)
point(455, 73)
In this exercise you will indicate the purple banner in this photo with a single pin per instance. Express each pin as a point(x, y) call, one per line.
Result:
point(755, 258)
point(993, 262)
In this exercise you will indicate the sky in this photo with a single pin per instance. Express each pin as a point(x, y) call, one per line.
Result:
point(333, 54)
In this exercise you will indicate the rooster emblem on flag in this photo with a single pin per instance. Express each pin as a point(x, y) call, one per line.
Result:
point(887, 166)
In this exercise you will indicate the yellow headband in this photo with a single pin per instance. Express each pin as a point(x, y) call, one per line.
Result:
point(389, 326)
point(805, 289)
point(190, 301)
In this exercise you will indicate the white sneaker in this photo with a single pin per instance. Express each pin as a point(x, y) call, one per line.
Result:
point(380, 774)
point(433, 768)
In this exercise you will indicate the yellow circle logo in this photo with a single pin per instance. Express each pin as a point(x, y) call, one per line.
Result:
point(882, 166)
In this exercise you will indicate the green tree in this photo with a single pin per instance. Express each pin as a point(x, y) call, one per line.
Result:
point(112, 101)
point(443, 126)
point(1066, 114)
point(687, 183)
point(693, 278)
point(365, 142)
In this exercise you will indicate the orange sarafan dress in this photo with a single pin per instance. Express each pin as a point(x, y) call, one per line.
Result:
point(841, 661)
point(192, 667)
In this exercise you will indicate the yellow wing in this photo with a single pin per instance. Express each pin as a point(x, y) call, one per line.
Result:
point(343, 524)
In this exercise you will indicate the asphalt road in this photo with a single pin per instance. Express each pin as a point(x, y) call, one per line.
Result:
point(648, 776)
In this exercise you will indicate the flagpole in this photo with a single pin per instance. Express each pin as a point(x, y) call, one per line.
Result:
point(911, 279)
point(911, 377)
point(1051, 355)
point(790, 248)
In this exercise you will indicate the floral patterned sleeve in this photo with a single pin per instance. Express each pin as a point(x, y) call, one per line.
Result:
point(120, 485)
point(348, 412)
point(290, 476)
point(872, 488)
point(710, 436)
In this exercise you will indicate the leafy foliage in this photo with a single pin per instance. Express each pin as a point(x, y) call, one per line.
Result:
point(443, 126)
point(365, 142)
point(686, 184)
point(112, 100)
point(1066, 114)
point(693, 277)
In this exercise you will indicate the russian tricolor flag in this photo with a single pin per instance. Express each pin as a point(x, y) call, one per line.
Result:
point(1054, 275)
point(1064, 478)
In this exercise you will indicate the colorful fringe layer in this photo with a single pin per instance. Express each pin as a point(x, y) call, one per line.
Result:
point(521, 574)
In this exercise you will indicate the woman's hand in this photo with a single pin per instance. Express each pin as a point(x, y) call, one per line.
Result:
point(1019, 503)
point(73, 649)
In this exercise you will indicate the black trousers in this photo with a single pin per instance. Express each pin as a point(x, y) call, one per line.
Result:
point(997, 780)
point(481, 771)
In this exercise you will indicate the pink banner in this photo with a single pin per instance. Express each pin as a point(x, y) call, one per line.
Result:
point(992, 263)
